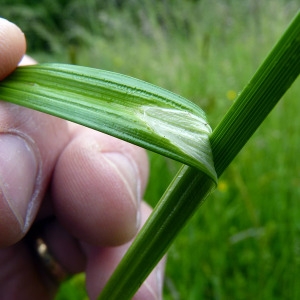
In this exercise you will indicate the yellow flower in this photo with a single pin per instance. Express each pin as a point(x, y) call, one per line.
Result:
point(222, 186)
point(231, 95)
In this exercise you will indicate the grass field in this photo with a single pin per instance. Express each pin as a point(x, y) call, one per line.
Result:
point(244, 242)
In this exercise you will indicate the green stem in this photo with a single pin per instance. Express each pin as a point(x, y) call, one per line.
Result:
point(268, 85)
point(145, 252)
point(190, 187)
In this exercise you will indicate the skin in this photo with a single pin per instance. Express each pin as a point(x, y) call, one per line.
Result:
point(88, 184)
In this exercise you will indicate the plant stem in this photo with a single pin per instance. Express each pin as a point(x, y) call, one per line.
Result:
point(268, 85)
point(190, 187)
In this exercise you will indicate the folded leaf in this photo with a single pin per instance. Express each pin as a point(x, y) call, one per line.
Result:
point(121, 106)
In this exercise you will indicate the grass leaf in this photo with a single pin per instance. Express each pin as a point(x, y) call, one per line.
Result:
point(122, 106)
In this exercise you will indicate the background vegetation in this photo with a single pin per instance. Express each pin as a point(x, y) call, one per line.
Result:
point(244, 242)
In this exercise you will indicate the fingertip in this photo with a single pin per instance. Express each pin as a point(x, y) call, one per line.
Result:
point(12, 47)
point(93, 193)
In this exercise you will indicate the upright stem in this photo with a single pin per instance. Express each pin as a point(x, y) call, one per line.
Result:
point(190, 187)
point(271, 81)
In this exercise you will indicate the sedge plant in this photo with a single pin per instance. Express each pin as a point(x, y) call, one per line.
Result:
point(163, 122)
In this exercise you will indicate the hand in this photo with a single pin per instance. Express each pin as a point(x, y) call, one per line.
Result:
point(80, 189)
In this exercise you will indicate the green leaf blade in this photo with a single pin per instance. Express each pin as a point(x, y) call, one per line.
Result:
point(124, 107)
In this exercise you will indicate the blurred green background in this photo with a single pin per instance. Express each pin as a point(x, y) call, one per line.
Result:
point(244, 242)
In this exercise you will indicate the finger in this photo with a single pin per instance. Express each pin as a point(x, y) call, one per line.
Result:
point(103, 261)
point(12, 47)
point(26, 138)
point(29, 146)
point(97, 187)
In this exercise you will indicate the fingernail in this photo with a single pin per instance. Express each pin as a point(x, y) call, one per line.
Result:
point(128, 171)
point(18, 173)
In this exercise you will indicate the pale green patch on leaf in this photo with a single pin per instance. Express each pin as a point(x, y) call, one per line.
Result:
point(119, 105)
point(192, 131)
